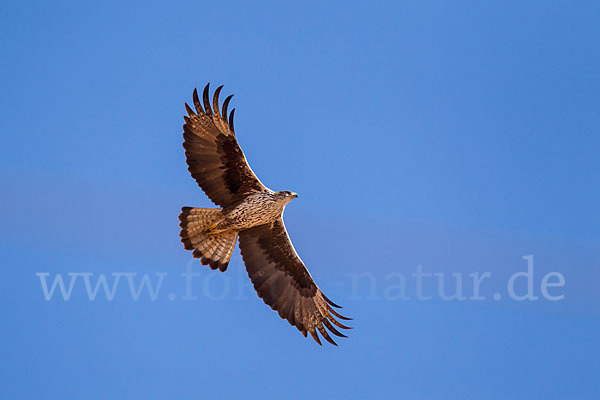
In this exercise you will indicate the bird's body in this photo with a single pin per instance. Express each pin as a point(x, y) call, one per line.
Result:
point(252, 212)
point(256, 209)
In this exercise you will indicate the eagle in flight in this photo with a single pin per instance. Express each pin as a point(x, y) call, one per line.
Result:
point(252, 212)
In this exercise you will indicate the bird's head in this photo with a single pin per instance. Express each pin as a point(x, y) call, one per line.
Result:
point(286, 196)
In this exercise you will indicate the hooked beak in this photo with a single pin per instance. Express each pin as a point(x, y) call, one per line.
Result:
point(294, 195)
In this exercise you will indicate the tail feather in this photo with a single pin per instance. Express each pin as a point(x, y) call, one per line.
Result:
point(213, 248)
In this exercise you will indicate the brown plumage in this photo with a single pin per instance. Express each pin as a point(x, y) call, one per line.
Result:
point(251, 211)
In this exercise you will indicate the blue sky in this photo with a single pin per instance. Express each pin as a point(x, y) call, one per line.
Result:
point(455, 136)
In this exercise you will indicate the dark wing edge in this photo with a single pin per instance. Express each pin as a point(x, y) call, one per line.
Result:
point(213, 155)
point(281, 279)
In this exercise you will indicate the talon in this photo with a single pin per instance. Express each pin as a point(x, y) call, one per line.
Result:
point(211, 229)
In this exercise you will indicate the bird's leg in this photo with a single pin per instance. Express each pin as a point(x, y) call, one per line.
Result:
point(214, 228)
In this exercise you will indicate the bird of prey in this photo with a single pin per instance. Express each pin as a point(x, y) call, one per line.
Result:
point(254, 213)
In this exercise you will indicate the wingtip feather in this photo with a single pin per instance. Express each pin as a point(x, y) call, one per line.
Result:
point(225, 105)
point(196, 100)
point(314, 335)
point(206, 101)
point(216, 100)
point(326, 335)
point(231, 120)
point(330, 302)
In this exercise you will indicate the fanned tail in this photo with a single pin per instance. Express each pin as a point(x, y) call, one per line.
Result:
point(213, 248)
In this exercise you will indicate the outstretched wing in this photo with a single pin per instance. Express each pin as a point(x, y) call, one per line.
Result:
point(213, 155)
point(283, 282)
